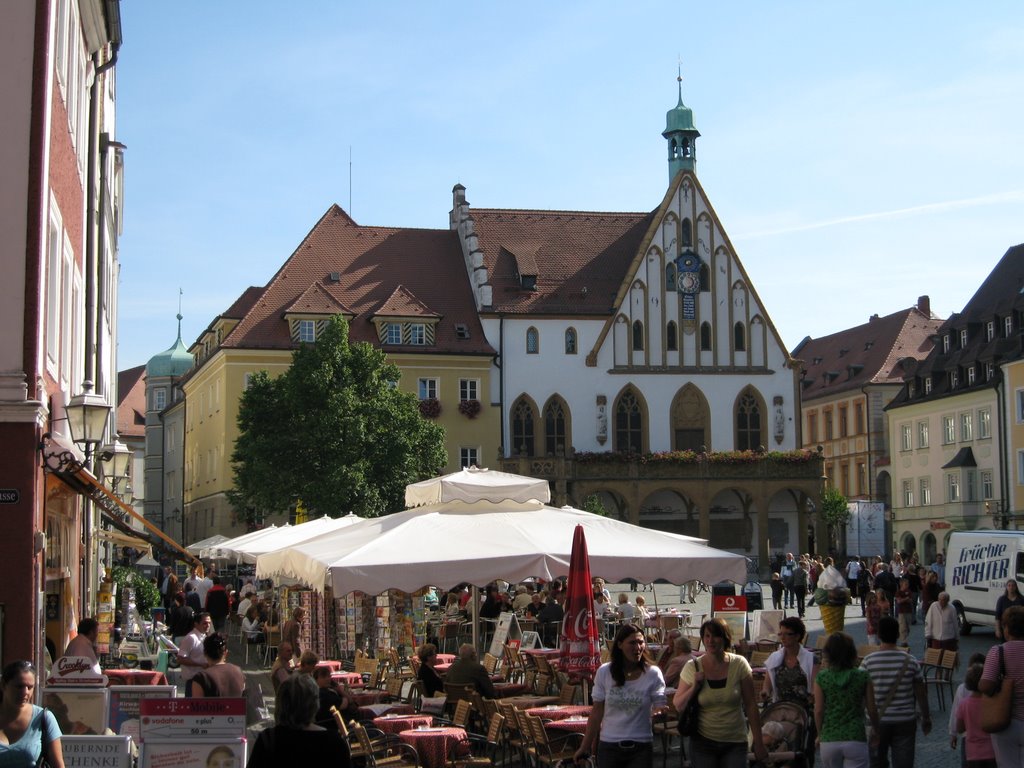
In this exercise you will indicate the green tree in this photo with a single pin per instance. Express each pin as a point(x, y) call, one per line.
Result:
point(834, 513)
point(594, 505)
point(333, 431)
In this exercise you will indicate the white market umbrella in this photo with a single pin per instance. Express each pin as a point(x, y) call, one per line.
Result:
point(478, 542)
point(473, 484)
point(228, 550)
point(282, 538)
point(210, 541)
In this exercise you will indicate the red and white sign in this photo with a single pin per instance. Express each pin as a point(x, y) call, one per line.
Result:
point(76, 670)
point(192, 719)
point(728, 603)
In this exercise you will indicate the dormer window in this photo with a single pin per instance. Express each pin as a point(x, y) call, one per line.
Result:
point(307, 331)
point(954, 378)
point(970, 375)
point(990, 371)
point(928, 385)
point(963, 339)
point(945, 343)
point(990, 330)
point(528, 282)
point(393, 333)
point(1008, 326)
point(417, 334)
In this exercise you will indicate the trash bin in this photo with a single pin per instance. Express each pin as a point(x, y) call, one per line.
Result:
point(755, 600)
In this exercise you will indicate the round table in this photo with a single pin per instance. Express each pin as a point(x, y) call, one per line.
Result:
point(135, 677)
point(560, 712)
point(434, 745)
point(351, 679)
point(570, 725)
point(392, 723)
point(370, 711)
point(334, 666)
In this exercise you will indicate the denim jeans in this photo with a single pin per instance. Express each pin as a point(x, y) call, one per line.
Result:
point(717, 754)
point(625, 754)
point(898, 739)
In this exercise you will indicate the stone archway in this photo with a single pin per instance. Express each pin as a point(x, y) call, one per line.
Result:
point(926, 553)
point(908, 543)
point(691, 420)
point(784, 520)
point(668, 510)
point(733, 522)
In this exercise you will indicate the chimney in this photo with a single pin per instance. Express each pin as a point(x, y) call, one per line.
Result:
point(873, 318)
point(924, 306)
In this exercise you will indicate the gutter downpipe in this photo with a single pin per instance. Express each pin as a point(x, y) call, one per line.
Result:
point(501, 381)
point(871, 463)
point(1004, 485)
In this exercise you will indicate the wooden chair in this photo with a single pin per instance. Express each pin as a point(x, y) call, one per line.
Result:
point(515, 740)
point(448, 637)
point(666, 727)
point(483, 749)
point(943, 677)
point(491, 663)
point(549, 751)
point(758, 658)
point(393, 686)
point(567, 693)
point(399, 668)
point(457, 692)
point(543, 684)
point(515, 669)
point(391, 753)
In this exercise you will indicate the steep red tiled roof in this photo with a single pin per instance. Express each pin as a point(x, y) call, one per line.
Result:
point(315, 300)
point(580, 258)
point(866, 354)
point(131, 402)
point(243, 303)
point(372, 262)
point(403, 303)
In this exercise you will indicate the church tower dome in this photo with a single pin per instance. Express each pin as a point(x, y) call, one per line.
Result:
point(681, 135)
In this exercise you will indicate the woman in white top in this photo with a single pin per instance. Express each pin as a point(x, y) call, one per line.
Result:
point(791, 669)
point(627, 693)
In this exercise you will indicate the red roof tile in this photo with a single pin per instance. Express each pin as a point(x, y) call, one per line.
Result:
point(131, 402)
point(372, 262)
point(315, 300)
point(403, 303)
point(580, 258)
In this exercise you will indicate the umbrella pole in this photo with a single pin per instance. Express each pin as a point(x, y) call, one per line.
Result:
point(474, 614)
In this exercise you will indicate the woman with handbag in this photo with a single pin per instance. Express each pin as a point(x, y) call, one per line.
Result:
point(628, 692)
point(724, 687)
point(1002, 683)
point(27, 732)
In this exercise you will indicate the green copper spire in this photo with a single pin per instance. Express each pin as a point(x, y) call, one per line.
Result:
point(681, 134)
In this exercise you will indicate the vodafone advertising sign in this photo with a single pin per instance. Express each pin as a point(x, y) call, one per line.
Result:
point(728, 603)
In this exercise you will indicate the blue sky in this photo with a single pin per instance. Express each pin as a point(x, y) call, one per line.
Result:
point(858, 155)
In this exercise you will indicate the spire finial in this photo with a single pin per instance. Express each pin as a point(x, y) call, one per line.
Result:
point(180, 293)
point(679, 78)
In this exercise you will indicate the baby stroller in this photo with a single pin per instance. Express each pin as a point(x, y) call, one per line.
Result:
point(790, 723)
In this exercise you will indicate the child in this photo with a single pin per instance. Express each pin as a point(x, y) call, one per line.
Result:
point(774, 734)
point(979, 744)
point(873, 612)
point(777, 587)
point(904, 611)
point(961, 694)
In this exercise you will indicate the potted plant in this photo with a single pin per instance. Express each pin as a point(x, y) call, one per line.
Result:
point(469, 408)
point(430, 407)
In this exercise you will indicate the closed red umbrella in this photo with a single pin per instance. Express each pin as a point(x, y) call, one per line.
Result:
point(580, 642)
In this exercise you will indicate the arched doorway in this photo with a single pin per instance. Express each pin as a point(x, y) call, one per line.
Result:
point(667, 510)
point(908, 543)
point(926, 555)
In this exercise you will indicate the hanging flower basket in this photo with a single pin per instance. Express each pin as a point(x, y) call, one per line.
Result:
point(469, 408)
point(430, 407)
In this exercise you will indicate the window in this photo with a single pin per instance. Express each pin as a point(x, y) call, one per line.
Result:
point(159, 399)
point(862, 479)
point(522, 428)
point(1020, 467)
point(990, 371)
point(963, 338)
point(53, 291)
point(705, 279)
point(427, 388)
point(1008, 326)
point(843, 423)
point(986, 484)
point(469, 457)
point(555, 441)
point(670, 276)
point(247, 380)
point(984, 424)
point(905, 444)
point(945, 343)
point(532, 341)
point(748, 423)
point(948, 430)
point(705, 337)
point(686, 234)
point(417, 334)
point(812, 427)
point(629, 427)
point(827, 417)
point(844, 474)
point(307, 331)
point(972, 492)
point(570, 341)
point(926, 491)
point(908, 493)
point(671, 338)
point(928, 385)
point(739, 337)
point(1020, 405)
point(953, 487)
point(858, 418)
point(966, 427)
point(393, 334)
point(469, 389)
point(970, 375)
point(922, 434)
point(638, 336)
point(990, 330)
point(954, 378)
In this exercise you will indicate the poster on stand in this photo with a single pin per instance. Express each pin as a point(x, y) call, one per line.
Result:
point(765, 625)
point(79, 711)
point(92, 751)
point(192, 719)
point(124, 705)
point(737, 621)
point(219, 753)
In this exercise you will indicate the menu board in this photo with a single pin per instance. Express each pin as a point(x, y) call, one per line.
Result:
point(92, 751)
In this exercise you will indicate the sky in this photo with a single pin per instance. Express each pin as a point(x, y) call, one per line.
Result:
point(857, 155)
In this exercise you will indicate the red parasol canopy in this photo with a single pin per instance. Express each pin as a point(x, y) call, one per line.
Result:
point(580, 642)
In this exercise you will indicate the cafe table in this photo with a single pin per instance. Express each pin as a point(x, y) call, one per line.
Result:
point(504, 690)
point(575, 724)
point(370, 711)
point(526, 702)
point(446, 658)
point(351, 679)
point(434, 745)
point(334, 666)
point(363, 698)
point(135, 677)
point(560, 712)
point(396, 723)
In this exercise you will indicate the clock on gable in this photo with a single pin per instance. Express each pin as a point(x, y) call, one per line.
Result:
point(688, 272)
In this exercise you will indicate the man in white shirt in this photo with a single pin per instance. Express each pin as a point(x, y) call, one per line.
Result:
point(852, 572)
point(244, 603)
point(84, 643)
point(190, 652)
point(940, 625)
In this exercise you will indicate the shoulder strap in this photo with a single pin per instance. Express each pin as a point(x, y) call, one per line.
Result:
point(892, 691)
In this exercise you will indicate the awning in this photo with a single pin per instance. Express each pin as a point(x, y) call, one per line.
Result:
point(123, 539)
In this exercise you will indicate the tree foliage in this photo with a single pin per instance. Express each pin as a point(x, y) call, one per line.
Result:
point(594, 505)
point(332, 431)
point(834, 512)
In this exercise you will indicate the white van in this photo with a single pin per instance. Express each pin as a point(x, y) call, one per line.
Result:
point(978, 565)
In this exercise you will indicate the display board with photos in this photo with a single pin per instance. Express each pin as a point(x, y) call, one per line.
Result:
point(125, 706)
point(220, 753)
point(79, 711)
point(737, 623)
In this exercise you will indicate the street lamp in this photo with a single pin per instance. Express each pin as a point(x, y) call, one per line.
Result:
point(115, 458)
point(87, 420)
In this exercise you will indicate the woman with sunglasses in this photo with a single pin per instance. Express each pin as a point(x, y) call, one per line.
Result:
point(25, 729)
point(792, 668)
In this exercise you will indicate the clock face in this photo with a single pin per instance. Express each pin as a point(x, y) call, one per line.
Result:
point(689, 282)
